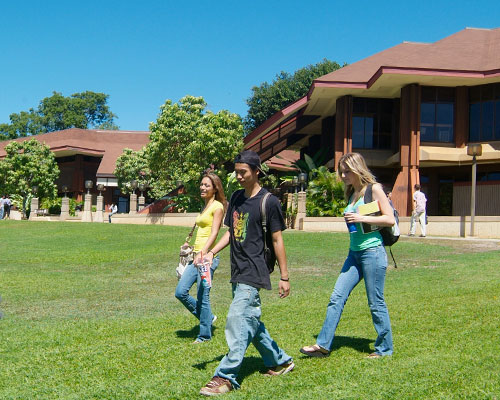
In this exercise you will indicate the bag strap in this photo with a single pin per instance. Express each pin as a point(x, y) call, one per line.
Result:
point(368, 197)
point(392, 255)
point(188, 238)
point(263, 218)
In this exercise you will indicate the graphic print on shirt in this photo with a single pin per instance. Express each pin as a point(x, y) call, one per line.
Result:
point(240, 224)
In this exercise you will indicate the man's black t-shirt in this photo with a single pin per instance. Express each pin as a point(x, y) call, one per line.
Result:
point(243, 218)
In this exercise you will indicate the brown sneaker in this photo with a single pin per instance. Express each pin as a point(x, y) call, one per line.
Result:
point(216, 386)
point(280, 369)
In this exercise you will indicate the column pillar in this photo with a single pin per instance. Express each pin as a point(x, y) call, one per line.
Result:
point(34, 207)
point(461, 116)
point(133, 204)
point(142, 201)
point(64, 209)
point(87, 209)
point(343, 128)
point(301, 210)
point(409, 150)
point(99, 214)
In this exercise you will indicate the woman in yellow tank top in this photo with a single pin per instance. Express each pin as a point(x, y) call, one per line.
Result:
point(208, 222)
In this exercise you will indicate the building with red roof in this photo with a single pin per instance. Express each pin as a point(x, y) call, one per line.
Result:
point(89, 154)
point(411, 110)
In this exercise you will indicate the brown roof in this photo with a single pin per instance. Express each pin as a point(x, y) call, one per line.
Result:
point(470, 50)
point(107, 144)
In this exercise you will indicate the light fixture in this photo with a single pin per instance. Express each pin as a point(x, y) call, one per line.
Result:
point(142, 188)
point(88, 185)
point(65, 190)
point(100, 187)
point(133, 185)
point(35, 189)
point(302, 181)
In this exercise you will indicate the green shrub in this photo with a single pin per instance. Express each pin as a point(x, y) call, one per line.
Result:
point(325, 194)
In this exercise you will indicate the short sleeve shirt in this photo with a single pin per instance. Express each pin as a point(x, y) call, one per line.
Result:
point(243, 218)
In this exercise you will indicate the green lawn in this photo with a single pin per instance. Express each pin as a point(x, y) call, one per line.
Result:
point(89, 313)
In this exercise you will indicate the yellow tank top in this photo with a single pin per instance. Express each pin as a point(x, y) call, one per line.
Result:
point(204, 223)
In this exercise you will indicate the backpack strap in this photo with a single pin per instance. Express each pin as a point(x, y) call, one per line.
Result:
point(368, 197)
point(263, 216)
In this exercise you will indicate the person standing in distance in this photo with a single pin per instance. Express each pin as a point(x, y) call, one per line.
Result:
point(419, 213)
point(249, 274)
point(113, 209)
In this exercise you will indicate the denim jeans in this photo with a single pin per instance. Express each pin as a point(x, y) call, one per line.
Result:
point(370, 265)
point(243, 326)
point(200, 307)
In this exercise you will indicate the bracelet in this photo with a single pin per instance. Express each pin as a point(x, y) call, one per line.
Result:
point(210, 251)
point(284, 280)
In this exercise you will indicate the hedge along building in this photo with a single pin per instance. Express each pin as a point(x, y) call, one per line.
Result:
point(411, 110)
point(85, 154)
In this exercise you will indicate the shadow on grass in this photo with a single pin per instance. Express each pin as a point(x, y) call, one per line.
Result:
point(192, 333)
point(360, 344)
point(249, 366)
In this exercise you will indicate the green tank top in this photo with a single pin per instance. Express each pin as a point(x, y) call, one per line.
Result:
point(359, 240)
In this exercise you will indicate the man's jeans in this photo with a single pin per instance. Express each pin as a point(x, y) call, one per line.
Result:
point(243, 327)
point(420, 216)
point(370, 265)
point(200, 308)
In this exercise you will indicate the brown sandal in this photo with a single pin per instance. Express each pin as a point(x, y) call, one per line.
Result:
point(374, 355)
point(314, 351)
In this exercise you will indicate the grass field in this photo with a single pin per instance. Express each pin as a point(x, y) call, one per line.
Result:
point(89, 313)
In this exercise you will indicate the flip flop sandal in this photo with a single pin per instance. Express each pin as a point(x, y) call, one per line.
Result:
point(314, 351)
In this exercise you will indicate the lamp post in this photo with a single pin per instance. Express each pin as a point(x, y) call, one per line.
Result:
point(64, 204)
point(302, 181)
point(99, 212)
point(142, 188)
point(473, 150)
point(295, 183)
point(133, 197)
point(87, 204)
point(34, 202)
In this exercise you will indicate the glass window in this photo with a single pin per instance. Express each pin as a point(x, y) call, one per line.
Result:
point(437, 114)
point(474, 122)
point(372, 123)
point(358, 132)
point(484, 113)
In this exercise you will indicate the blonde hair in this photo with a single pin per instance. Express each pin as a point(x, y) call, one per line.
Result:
point(219, 190)
point(357, 164)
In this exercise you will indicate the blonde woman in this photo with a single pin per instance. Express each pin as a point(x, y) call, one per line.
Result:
point(208, 223)
point(366, 260)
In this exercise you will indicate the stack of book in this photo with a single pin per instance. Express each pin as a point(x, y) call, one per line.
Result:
point(372, 208)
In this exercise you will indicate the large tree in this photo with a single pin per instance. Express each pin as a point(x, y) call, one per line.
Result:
point(269, 98)
point(87, 110)
point(186, 139)
point(28, 164)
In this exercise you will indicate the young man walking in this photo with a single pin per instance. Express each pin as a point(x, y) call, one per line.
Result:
point(249, 274)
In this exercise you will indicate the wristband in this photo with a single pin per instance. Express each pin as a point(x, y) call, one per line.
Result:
point(284, 280)
point(210, 251)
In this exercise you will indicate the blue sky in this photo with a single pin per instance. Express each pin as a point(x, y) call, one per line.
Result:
point(141, 53)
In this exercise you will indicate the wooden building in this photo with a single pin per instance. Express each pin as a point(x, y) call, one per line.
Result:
point(86, 154)
point(411, 110)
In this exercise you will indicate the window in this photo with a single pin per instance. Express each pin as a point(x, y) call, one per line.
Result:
point(372, 125)
point(484, 113)
point(437, 114)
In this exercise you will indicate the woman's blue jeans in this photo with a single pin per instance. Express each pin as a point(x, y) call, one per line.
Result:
point(243, 326)
point(370, 265)
point(199, 307)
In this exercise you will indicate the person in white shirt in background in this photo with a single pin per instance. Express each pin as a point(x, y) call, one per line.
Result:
point(419, 204)
point(113, 208)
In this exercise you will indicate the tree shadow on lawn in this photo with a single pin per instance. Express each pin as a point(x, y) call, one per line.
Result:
point(360, 344)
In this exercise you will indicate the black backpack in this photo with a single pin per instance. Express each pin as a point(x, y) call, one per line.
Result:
point(390, 234)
